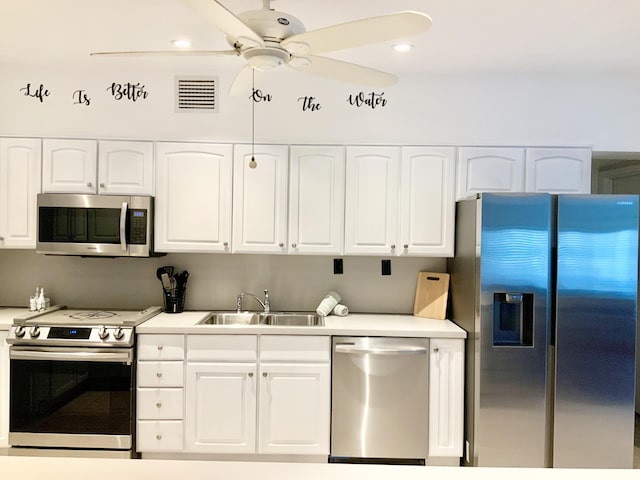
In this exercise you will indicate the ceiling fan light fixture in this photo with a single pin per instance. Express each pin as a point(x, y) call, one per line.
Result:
point(298, 48)
point(403, 47)
point(266, 59)
point(300, 62)
point(181, 43)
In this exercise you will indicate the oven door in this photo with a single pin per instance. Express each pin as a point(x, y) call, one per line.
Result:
point(71, 398)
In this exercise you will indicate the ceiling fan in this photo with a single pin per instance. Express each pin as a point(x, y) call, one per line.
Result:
point(268, 39)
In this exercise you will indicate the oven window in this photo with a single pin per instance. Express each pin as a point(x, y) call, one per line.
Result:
point(71, 397)
point(79, 225)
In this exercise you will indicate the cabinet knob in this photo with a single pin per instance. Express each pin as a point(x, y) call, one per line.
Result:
point(281, 244)
point(102, 185)
point(225, 244)
point(159, 374)
point(158, 405)
point(264, 374)
point(158, 437)
point(160, 347)
point(89, 184)
point(250, 374)
point(393, 247)
point(294, 245)
point(1, 239)
point(406, 247)
point(436, 350)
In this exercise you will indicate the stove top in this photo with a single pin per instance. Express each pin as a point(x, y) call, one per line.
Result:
point(61, 315)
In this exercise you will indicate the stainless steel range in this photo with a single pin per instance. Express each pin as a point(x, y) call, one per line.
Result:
point(72, 374)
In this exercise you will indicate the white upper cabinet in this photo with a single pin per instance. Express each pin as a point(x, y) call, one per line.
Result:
point(558, 170)
point(427, 201)
point(260, 199)
point(193, 197)
point(125, 168)
point(69, 166)
point(490, 169)
point(316, 200)
point(107, 167)
point(371, 200)
point(20, 163)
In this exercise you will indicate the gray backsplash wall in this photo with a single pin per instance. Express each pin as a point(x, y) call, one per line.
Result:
point(294, 282)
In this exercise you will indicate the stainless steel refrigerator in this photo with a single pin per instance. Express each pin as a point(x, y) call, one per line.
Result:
point(547, 287)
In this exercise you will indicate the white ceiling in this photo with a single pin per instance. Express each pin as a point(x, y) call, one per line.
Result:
point(466, 36)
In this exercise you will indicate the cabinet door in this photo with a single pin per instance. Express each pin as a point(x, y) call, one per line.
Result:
point(446, 390)
point(125, 168)
point(294, 408)
point(69, 166)
point(558, 170)
point(20, 164)
point(316, 200)
point(427, 201)
point(371, 200)
point(220, 413)
point(4, 389)
point(489, 169)
point(193, 197)
point(260, 199)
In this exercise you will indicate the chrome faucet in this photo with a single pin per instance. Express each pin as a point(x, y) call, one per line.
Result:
point(264, 304)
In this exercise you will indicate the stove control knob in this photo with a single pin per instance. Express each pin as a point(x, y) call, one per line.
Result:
point(20, 331)
point(34, 332)
point(103, 333)
point(118, 334)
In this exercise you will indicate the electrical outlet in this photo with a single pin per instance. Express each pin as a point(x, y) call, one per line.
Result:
point(337, 266)
point(386, 267)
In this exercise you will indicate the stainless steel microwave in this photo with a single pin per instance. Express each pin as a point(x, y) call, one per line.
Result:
point(95, 225)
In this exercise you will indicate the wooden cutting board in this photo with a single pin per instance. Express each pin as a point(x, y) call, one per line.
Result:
point(432, 292)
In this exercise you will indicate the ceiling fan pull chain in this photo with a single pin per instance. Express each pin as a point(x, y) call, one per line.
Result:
point(253, 163)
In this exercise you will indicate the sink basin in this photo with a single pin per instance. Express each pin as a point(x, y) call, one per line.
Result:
point(289, 319)
point(231, 318)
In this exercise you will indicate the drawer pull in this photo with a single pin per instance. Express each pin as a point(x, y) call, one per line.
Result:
point(158, 437)
point(250, 374)
point(159, 374)
point(158, 405)
point(264, 374)
point(160, 347)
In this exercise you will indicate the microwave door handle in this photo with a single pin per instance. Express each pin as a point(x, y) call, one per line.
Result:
point(123, 226)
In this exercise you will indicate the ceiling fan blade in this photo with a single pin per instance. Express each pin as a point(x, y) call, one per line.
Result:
point(343, 71)
point(243, 83)
point(225, 21)
point(358, 33)
point(141, 53)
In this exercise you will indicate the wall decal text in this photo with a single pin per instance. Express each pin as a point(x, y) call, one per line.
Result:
point(128, 91)
point(80, 97)
point(371, 100)
point(258, 96)
point(35, 92)
point(309, 104)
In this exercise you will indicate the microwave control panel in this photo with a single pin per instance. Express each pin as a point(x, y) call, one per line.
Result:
point(137, 226)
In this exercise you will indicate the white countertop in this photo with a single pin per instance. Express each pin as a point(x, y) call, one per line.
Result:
point(353, 324)
point(52, 468)
point(7, 314)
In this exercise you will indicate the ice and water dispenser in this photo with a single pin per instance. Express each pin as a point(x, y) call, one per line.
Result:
point(512, 319)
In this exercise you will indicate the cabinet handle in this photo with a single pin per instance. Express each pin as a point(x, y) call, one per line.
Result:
point(250, 374)
point(225, 244)
point(393, 247)
point(264, 374)
point(294, 245)
point(102, 185)
point(89, 184)
point(158, 405)
point(436, 350)
point(159, 374)
point(281, 244)
point(406, 247)
point(160, 347)
point(158, 437)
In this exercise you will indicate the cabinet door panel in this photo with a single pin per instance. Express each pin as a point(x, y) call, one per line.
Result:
point(316, 200)
point(371, 208)
point(427, 212)
point(4, 389)
point(69, 166)
point(125, 168)
point(294, 408)
point(20, 166)
point(260, 199)
point(446, 390)
point(221, 408)
point(193, 198)
point(559, 170)
point(489, 169)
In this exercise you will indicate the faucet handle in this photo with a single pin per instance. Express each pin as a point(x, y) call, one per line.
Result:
point(266, 301)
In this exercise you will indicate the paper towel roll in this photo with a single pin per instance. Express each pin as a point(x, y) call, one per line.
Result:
point(340, 310)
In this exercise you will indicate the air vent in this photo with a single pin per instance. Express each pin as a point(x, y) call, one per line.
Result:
point(196, 94)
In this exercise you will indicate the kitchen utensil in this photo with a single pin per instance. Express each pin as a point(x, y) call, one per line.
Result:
point(432, 292)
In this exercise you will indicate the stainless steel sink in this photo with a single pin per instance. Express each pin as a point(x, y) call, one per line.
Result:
point(289, 319)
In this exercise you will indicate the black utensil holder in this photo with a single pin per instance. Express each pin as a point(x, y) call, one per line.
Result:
point(174, 300)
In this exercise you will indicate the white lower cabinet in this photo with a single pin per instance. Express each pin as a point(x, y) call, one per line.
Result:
point(446, 391)
point(273, 403)
point(4, 389)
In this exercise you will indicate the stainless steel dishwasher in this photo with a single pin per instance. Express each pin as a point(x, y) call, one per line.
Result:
point(379, 400)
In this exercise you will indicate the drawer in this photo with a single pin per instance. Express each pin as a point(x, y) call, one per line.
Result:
point(160, 436)
point(160, 347)
point(299, 348)
point(160, 374)
point(222, 348)
point(160, 404)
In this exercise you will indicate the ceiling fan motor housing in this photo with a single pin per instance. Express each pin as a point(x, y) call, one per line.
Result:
point(271, 25)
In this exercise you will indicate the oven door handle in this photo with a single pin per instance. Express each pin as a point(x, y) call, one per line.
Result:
point(74, 356)
point(123, 226)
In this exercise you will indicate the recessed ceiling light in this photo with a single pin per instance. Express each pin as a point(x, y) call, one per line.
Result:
point(181, 43)
point(402, 47)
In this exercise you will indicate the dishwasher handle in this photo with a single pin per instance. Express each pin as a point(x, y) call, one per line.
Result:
point(352, 349)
